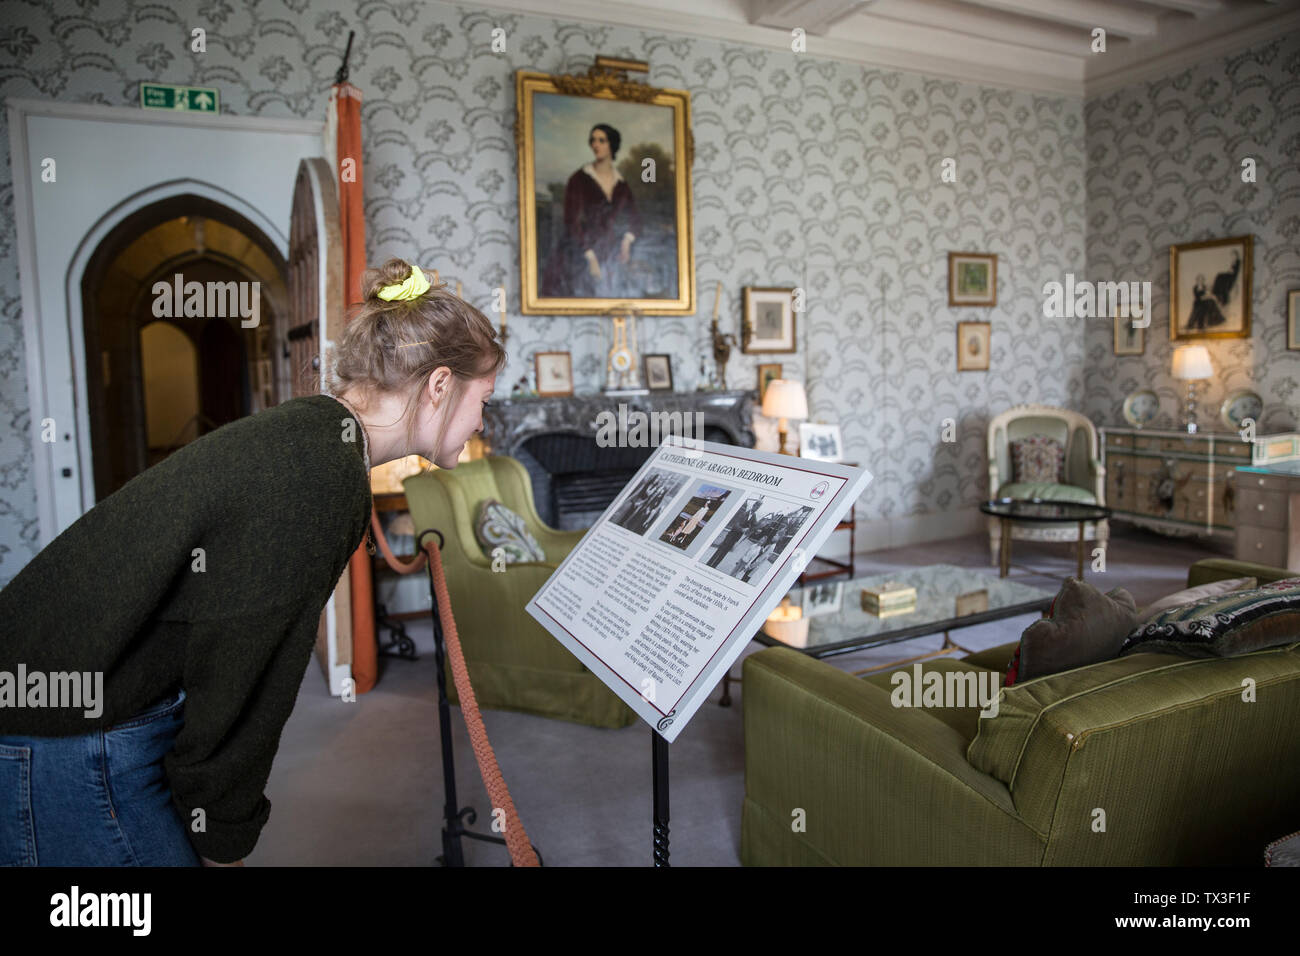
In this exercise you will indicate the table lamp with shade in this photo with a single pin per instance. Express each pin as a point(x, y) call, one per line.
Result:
point(1192, 364)
point(784, 399)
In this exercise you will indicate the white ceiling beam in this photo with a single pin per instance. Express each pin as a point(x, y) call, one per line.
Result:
point(1197, 8)
point(815, 16)
point(1087, 14)
point(961, 18)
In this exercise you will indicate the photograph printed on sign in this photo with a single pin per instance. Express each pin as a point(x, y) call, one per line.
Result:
point(702, 506)
point(651, 495)
point(755, 537)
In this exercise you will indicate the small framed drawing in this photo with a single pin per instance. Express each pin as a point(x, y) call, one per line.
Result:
point(554, 373)
point(820, 442)
point(769, 320)
point(973, 346)
point(1130, 339)
point(1209, 289)
point(972, 278)
point(767, 372)
point(659, 373)
point(1292, 316)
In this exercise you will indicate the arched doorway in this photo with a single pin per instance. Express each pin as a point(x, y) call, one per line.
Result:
point(206, 274)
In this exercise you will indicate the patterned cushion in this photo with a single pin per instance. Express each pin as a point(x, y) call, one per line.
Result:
point(1188, 595)
point(499, 527)
point(1037, 458)
point(1223, 625)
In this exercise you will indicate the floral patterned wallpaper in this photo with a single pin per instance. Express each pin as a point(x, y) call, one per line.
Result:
point(808, 172)
point(1165, 167)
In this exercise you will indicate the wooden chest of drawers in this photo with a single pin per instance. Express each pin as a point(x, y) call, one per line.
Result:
point(1268, 515)
point(1184, 484)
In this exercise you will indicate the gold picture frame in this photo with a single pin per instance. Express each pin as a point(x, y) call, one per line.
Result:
point(1293, 320)
point(1129, 339)
point(766, 373)
point(769, 320)
point(974, 342)
point(567, 265)
point(1209, 287)
point(554, 372)
point(972, 278)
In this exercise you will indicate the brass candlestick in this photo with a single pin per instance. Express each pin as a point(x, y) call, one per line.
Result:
point(722, 343)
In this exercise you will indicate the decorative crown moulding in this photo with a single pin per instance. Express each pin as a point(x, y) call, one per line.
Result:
point(1084, 76)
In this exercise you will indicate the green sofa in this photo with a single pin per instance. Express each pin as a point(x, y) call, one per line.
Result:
point(513, 663)
point(1160, 750)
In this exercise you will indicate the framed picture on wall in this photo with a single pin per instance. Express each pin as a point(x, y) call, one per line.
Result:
point(554, 373)
point(766, 373)
point(972, 278)
point(973, 339)
point(768, 324)
point(1292, 311)
point(659, 373)
point(595, 233)
point(1130, 339)
point(1209, 289)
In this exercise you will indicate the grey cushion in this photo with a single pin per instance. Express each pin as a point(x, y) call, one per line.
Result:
point(1086, 626)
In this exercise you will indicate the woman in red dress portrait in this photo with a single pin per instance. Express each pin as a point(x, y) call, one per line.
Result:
point(601, 224)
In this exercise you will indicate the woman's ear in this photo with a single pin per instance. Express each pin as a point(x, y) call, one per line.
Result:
point(439, 386)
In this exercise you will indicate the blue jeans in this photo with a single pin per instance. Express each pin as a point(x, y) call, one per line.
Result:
point(98, 799)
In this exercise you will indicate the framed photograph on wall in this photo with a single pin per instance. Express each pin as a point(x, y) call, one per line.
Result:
point(972, 278)
point(554, 373)
point(1292, 311)
point(659, 373)
point(820, 442)
point(768, 324)
point(1209, 289)
point(1129, 339)
point(594, 234)
point(766, 373)
point(973, 340)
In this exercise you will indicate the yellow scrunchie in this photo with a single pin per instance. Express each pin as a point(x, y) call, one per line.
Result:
point(416, 285)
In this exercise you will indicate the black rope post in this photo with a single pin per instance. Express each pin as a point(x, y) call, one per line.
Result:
point(452, 854)
point(659, 763)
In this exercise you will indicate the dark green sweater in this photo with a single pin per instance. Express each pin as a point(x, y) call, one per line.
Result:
point(277, 502)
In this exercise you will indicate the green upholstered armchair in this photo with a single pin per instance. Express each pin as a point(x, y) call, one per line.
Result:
point(1184, 770)
point(513, 662)
point(1083, 479)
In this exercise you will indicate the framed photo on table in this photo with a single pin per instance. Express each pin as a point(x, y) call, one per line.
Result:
point(972, 278)
point(973, 341)
point(1209, 289)
point(554, 373)
point(818, 442)
point(595, 233)
point(659, 373)
point(768, 324)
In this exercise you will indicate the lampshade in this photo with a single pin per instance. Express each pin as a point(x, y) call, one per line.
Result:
point(785, 399)
point(1192, 361)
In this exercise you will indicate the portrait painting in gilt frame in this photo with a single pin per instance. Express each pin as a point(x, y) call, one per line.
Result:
point(604, 193)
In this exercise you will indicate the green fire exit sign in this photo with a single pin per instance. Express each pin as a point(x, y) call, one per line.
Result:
point(166, 96)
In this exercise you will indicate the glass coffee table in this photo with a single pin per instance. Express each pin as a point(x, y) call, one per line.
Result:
point(837, 623)
point(1010, 510)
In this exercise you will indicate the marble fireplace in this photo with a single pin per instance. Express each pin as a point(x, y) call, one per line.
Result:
point(574, 477)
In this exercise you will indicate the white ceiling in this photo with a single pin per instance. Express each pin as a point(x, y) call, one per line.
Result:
point(1037, 45)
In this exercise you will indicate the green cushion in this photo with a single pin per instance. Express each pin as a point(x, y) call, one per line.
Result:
point(1047, 490)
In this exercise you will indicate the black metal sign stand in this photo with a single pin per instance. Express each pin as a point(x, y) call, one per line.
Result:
point(659, 771)
point(453, 815)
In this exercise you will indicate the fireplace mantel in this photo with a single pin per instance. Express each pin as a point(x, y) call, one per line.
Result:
point(574, 475)
point(508, 423)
